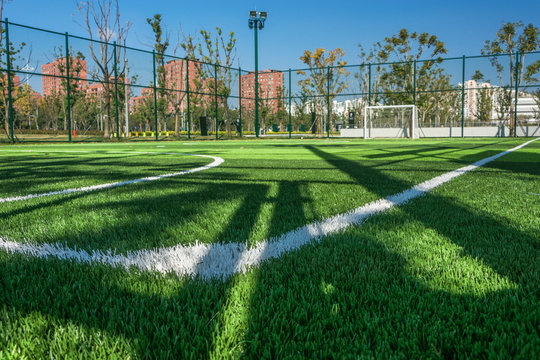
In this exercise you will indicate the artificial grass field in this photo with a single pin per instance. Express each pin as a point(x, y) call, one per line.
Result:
point(455, 273)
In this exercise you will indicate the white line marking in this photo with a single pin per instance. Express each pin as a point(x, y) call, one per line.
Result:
point(217, 161)
point(222, 260)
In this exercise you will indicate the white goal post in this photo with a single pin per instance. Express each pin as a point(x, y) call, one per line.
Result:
point(402, 126)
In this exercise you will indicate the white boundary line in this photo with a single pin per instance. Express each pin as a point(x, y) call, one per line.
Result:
point(217, 161)
point(222, 260)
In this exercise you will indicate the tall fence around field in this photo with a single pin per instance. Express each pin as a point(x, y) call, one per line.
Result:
point(61, 87)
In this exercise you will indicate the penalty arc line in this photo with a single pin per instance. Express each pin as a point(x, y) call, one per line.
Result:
point(223, 260)
point(217, 161)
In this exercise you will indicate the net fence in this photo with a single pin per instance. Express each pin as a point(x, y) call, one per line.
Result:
point(61, 87)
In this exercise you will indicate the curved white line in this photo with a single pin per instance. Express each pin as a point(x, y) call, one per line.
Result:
point(217, 161)
point(222, 260)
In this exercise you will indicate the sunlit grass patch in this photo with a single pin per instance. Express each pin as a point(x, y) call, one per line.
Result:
point(453, 272)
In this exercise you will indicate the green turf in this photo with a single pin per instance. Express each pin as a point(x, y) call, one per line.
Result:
point(453, 274)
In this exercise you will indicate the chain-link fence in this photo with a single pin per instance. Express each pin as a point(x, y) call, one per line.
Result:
point(61, 87)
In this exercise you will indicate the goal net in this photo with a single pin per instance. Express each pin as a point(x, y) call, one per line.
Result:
point(390, 121)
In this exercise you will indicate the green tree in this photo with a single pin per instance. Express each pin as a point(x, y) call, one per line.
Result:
point(513, 37)
point(51, 110)
point(26, 105)
point(478, 76)
point(484, 104)
point(14, 51)
point(160, 46)
point(396, 81)
point(325, 79)
point(367, 80)
point(76, 91)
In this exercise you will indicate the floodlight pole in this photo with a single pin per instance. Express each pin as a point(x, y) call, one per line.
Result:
point(256, 83)
point(126, 93)
point(256, 21)
point(68, 89)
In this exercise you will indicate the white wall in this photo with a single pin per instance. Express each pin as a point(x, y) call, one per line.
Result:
point(484, 131)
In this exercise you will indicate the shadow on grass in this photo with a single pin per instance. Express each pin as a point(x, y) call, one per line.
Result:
point(352, 294)
point(36, 173)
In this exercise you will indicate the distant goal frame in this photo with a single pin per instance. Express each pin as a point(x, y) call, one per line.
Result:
point(414, 118)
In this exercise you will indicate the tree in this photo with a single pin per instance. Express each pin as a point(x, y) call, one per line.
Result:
point(536, 97)
point(301, 109)
point(5, 78)
point(142, 113)
point(403, 49)
point(478, 76)
point(503, 101)
point(26, 104)
point(51, 110)
point(76, 91)
point(221, 52)
point(101, 19)
point(484, 104)
point(367, 80)
point(513, 37)
point(160, 46)
point(325, 79)
point(396, 81)
point(281, 113)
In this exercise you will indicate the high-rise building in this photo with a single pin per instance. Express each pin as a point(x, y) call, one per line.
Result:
point(175, 79)
point(472, 95)
point(270, 88)
point(51, 80)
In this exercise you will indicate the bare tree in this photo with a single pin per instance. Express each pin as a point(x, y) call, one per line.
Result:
point(14, 50)
point(101, 19)
point(220, 51)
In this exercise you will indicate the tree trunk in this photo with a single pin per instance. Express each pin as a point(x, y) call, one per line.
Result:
point(176, 124)
point(511, 120)
point(6, 118)
point(107, 113)
point(330, 124)
point(227, 122)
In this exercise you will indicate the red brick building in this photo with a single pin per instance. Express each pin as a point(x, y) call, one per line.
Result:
point(175, 78)
point(146, 93)
point(53, 84)
point(15, 82)
point(270, 83)
point(96, 89)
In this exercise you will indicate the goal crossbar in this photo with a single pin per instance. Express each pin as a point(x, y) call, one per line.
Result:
point(382, 107)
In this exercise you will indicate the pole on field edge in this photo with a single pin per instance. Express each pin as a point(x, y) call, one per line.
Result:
point(155, 94)
point(10, 99)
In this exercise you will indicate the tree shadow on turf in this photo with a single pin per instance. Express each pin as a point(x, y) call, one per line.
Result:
point(32, 175)
point(354, 293)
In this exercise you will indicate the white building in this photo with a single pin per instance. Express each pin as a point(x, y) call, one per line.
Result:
point(527, 106)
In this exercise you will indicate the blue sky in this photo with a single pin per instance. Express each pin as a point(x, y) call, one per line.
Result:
point(291, 28)
point(294, 26)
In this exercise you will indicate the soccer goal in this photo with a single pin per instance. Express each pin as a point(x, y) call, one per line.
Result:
point(390, 121)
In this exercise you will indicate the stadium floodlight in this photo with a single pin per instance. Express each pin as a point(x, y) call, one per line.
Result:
point(390, 121)
point(256, 21)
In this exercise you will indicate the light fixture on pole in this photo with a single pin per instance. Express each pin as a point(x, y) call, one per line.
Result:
point(256, 21)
